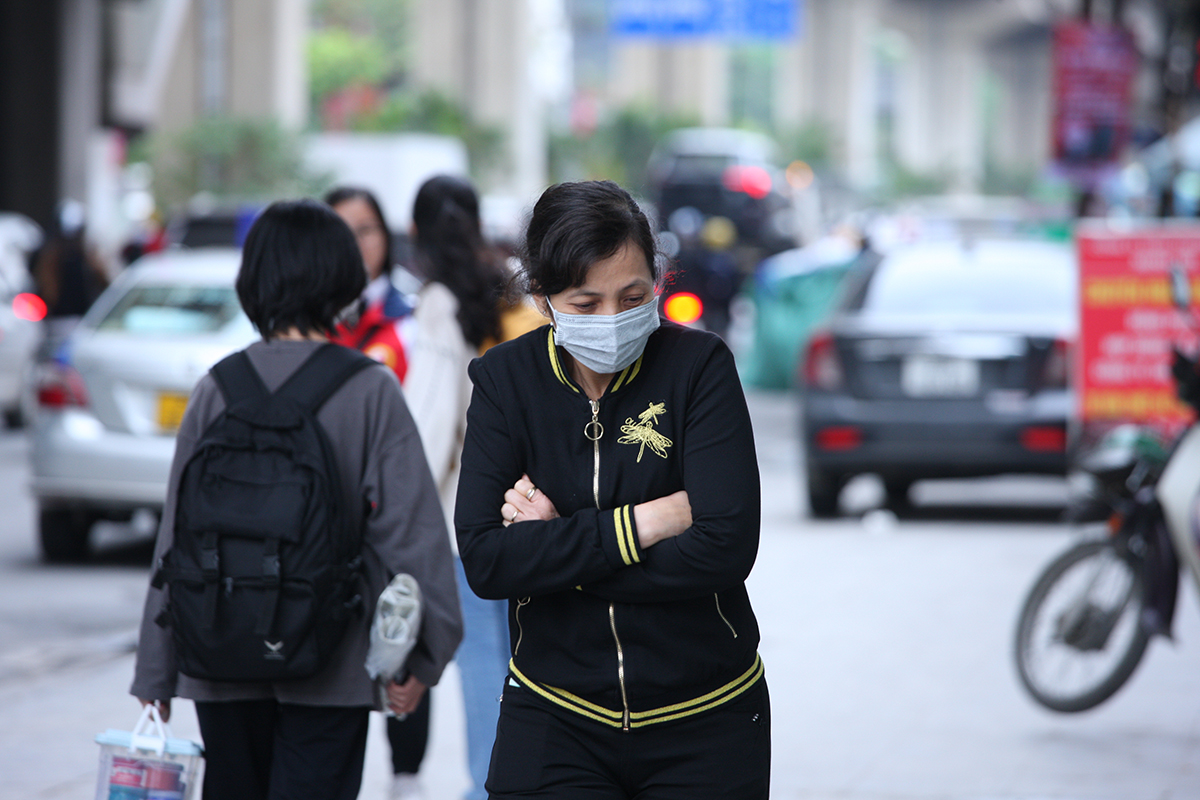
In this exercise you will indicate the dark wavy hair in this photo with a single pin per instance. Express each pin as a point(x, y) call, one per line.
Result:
point(574, 225)
point(300, 267)
point(450, 249)
point(340, 194)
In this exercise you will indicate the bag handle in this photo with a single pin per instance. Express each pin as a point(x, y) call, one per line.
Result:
point(150, 742)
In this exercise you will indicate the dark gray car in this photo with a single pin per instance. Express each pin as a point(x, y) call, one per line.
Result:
point(947, 359)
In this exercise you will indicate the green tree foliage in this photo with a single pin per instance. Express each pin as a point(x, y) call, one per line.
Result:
point(338, 58)
point(366, 43)
point(384, 22)
point(433, 112)
point(617, 150)
point(231, 159)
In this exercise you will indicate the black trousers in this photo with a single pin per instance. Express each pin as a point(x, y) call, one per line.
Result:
point(408, 738)
point(266, 750)
point(720, 754)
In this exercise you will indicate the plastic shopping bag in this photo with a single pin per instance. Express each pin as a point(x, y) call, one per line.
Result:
point(394, 631)
point(147, 763)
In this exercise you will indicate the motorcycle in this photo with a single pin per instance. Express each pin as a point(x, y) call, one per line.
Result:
point(1089, 617)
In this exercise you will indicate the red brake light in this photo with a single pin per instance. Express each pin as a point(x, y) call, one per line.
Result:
point(29, 306)
point(1056, 371)
point(839, 437)
point(1044, 439)
point(754, 181)
point(822, 368)
point(684, 308)
point(61, 386)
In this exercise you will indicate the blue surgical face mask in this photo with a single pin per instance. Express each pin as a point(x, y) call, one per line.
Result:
point(606, 343)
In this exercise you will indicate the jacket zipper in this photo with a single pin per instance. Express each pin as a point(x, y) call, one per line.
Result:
point(721, 614)
point(521, 603)
point(594, 431)
point(612, 621)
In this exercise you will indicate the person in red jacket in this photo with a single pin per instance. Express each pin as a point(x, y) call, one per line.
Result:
point(379, 326)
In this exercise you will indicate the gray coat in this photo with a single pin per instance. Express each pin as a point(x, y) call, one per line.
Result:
point(382, 463)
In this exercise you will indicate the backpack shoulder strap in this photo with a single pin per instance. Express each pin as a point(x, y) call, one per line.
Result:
point(238, 379)
point(322, 374)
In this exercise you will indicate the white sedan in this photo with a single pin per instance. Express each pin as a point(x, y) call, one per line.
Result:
point(112, 396)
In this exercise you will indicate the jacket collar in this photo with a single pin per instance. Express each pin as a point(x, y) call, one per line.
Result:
point(622, 378)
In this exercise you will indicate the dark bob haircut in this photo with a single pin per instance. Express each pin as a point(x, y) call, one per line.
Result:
point(341, 194)
point(574, 225)
point(300, 267)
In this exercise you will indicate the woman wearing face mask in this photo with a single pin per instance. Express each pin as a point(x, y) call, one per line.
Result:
point(609, 491)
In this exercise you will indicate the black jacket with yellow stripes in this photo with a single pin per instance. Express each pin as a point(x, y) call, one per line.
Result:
point(599, 626)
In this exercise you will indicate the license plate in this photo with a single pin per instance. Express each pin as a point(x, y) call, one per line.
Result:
point(170, 410)
point(927, 376)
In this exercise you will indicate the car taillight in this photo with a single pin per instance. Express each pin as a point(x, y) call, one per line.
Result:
point(754, 181)
point(839, 437)
point(684, 308)
point(29, 306)
point(822, 367)
point(1056, 372)
point(1044, 438)
point(60, 386)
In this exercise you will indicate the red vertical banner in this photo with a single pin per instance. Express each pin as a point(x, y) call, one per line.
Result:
point(1094, 67)
point(1128, 323)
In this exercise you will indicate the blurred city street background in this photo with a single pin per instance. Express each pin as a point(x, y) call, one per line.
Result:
point(937, 235)
point(887, 644)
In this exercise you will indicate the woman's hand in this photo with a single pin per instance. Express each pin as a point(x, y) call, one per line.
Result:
point(663, 518)
point(403, 698)
point(164, 707)
point(525, 502)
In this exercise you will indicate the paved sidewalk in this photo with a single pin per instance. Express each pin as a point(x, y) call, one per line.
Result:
point(887, 648)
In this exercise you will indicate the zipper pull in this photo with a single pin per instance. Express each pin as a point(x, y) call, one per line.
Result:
point(594, 430)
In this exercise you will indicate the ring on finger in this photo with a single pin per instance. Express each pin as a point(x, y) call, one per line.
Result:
point(532, 491)
point(513, 518)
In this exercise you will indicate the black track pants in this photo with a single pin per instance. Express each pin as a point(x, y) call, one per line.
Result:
point(721, 754)
point(265, 750)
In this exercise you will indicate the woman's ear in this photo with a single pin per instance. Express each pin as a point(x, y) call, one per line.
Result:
point(543, 306)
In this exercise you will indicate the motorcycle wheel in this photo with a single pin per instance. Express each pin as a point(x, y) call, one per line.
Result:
point(1079, 636)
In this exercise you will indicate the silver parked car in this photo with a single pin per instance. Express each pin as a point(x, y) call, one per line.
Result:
point(21, 314)
point(112, 397)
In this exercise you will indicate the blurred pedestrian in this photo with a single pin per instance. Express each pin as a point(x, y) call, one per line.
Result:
point(306, 738)
point(458, 312)
point(377, 324)
point(68, 274)
point(609, 491)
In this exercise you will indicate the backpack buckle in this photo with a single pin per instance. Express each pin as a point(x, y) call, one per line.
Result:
point(210, 558)
point(270, 569)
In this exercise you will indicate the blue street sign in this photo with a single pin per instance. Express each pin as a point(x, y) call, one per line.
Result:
point(695, 19)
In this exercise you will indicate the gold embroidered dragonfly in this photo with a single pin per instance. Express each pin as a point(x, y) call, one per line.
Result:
point(642, 433)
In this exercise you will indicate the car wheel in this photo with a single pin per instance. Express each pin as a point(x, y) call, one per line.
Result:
point(823, 493)
point(64, 534)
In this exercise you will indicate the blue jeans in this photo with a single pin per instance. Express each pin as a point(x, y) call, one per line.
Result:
point(483, 664)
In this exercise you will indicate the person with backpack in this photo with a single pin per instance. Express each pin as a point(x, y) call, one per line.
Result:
point(299, 488)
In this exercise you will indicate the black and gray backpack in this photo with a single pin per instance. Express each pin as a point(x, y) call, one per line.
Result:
point(263, 573)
